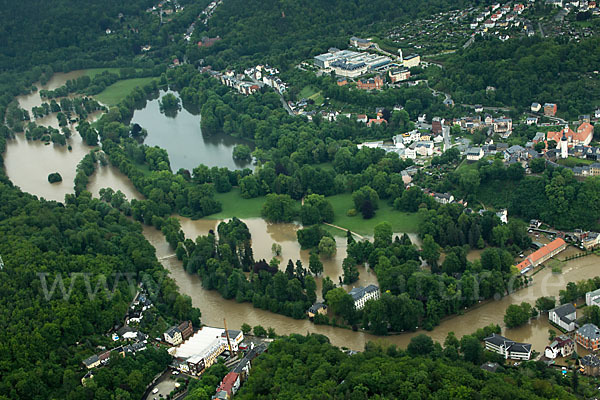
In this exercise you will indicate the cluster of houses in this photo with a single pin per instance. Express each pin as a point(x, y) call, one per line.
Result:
point(268, 76)
point(140, 304)
point(237, 82)
point(137, 342)
point(578, 5)
point(500, 17)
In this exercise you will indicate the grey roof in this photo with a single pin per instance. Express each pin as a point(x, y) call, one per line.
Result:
point(316, 307)
point(589, 331)
point(172, 330)
point(564, 310)
point(520, 347)
point(591, 359)
point(490, 366)
point(498, 340)
point(594, 292)
point(90, 360)
point(474, 151)
point(358, 293)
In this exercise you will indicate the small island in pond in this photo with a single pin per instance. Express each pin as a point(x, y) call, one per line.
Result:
point(54, 177)
point(169, 105)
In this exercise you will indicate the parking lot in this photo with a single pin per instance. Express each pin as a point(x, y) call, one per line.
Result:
point(165, 386)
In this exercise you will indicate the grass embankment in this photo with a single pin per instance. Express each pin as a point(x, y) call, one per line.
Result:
point(234, 205)
point(312, 93)
point(116, 92)
point(401, 221)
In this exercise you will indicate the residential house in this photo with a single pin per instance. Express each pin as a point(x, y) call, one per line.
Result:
point(317, 308)
point(597, 113)
point(550, 109)
point(564, 316)
point(436, 125)
point(588, 336)
point(590, 365)
point(475, 154)
point(376, 121)
point(502, 125)
point(361, 295)
point(507, 348)
point(535, 107)
point(593, 298)
point(342, 81)
point(539, 137)
point(443, 198)
point(503, 215)
point(562, 346)
point(531, 121)
point(478, 108)
point(590, 240)
point(91, 362)
point(541, 255)
point(228, 387)
point(173, 336)
point(361, 118)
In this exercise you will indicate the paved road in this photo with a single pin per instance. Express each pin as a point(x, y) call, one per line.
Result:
point(505, 109)
point(283, 102)
point(393, 56)
point(469, 42)
point(344, 229)
point(446, 132)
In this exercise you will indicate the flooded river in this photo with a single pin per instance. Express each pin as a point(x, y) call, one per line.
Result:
point(214, 307)
point(29, 163)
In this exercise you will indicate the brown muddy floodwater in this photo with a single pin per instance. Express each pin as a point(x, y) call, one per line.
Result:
point(214, 308)
point(28, 101)
point(28, 164)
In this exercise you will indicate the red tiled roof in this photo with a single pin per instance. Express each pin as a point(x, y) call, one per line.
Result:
point(541, 253)
point(228, 382)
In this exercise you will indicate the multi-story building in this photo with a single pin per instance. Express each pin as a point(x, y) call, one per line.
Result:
point(564, 316)
point(399, 75)
point(588, 336)
point(361, 295)
point(593, 298)
point(507, 348)
point(550, 109)
point(590, 365)
point(173, 336)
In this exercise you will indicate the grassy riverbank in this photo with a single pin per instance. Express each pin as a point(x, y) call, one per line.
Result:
point(401, 221)
point(116, 92)
point(235, 205)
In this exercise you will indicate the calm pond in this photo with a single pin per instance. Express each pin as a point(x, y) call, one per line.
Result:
point(182, 137)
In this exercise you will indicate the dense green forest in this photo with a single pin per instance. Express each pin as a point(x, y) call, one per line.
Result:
point(299, 367)
point(44, 336)
point(524, 71)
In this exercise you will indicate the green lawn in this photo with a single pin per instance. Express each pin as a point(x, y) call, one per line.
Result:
point(401, 221)
point(308, 91)
point(574, 161)
point(236, 206)
point(92, 72)
point(119, 90)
